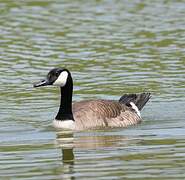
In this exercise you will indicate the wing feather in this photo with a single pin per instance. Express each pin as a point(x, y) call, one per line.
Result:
point(103, 113)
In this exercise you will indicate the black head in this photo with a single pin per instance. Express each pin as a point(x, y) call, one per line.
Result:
point(56, 77)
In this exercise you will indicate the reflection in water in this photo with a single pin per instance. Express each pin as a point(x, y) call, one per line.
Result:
point(110, 154)
point(90, 140)
point(68, 155)
point(65, 142)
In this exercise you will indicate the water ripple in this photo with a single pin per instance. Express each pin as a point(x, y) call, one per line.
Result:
point(111, 48)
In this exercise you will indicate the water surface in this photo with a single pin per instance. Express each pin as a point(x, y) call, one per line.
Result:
point(111, 48)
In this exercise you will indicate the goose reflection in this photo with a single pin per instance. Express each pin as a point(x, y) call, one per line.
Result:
point(68, 141)
point(65, 141)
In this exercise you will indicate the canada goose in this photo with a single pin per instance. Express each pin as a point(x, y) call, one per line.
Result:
point(91, 114)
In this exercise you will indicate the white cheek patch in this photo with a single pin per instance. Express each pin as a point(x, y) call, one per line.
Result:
point(62, 79)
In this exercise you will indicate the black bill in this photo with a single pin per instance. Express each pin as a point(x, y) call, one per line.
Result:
point(41, 83)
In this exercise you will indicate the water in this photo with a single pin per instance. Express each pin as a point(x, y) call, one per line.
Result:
point(111, 48)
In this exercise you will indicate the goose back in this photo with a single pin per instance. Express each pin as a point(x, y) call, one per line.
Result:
point(92, 114)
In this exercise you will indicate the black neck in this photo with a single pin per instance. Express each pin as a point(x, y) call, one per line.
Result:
point(65, 110)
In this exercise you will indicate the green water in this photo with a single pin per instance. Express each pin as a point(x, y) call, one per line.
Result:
point(111, 48)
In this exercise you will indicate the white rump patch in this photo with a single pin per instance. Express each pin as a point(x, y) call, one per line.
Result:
point(62, 79)
point(66, 124)
point(134, 107)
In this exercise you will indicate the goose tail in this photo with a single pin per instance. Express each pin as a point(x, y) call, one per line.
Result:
point(138, 99)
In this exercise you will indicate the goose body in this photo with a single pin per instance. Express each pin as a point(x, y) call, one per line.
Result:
point(92, 114)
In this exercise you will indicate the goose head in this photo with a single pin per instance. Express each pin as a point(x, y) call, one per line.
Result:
point(56, 77)
point(61, 77)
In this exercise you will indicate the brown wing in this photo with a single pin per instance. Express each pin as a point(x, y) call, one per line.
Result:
point(103, 113)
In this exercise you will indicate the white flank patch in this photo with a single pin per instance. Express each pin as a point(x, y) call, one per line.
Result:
point(135, 108)
point(66, 124)
point(62, 79)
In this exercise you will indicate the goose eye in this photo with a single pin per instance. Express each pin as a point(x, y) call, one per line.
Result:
point(57, 73)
